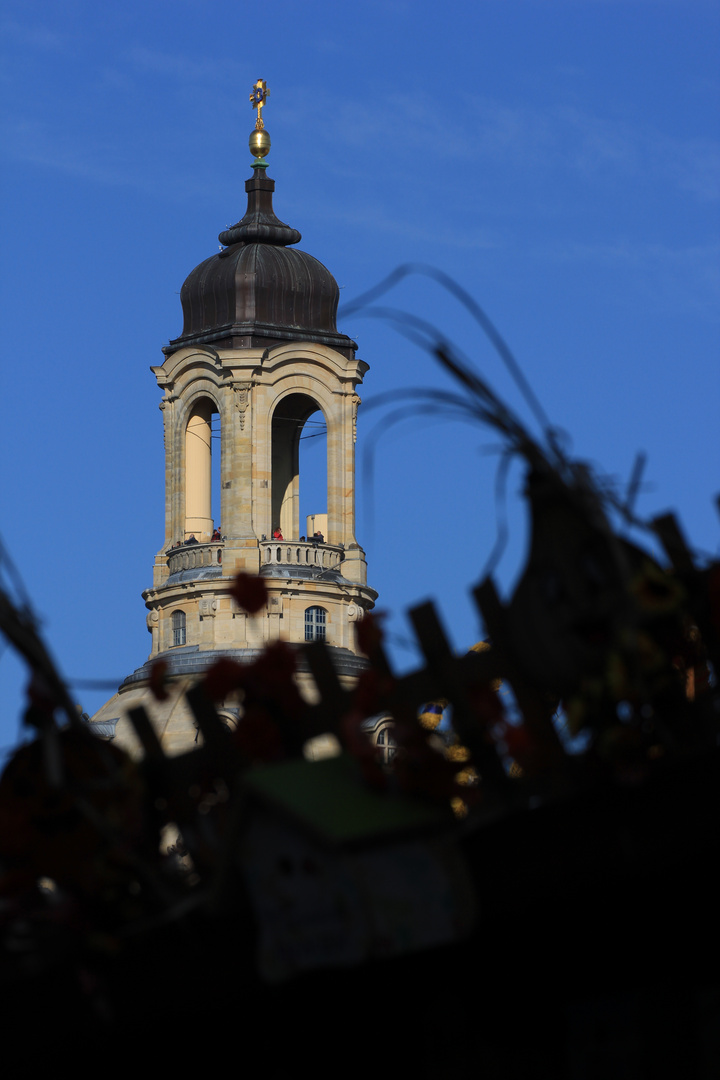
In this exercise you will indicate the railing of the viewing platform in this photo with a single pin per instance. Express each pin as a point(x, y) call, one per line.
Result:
point(308, 553)
point(311, 554)
point(195, 556)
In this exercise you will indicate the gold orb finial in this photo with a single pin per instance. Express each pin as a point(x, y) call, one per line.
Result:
point(259, 138)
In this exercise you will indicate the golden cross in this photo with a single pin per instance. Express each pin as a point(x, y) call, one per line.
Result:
point(258, 98)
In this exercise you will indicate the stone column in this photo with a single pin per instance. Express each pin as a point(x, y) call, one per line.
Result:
point(198, 472)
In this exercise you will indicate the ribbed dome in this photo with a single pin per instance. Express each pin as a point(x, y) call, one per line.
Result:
point(258, 291)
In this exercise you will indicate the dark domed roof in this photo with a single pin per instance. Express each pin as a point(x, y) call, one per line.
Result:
point(257, 291)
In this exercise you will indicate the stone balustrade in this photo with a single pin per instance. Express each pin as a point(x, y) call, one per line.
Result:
point(303, 553)
point(194, 556)
point(315, 558)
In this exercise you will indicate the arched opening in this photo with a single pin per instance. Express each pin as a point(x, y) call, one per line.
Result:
point(178, 628)
point(299, 447)
point(313, 470)
point(215, 478)
point(202, 471)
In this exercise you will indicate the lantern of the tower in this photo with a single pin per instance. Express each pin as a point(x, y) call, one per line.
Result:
point(259, 355)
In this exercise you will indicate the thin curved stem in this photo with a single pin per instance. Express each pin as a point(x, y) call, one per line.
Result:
point(476, 311)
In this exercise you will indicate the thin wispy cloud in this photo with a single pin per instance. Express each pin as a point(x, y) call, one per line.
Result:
point(326, 45)
point(106, 162)
point(172, 65)
point(489, 131)
point(695, 164)
point(593, 147)
point(597, 147)
point(680, 279)
point(377, 221)
point(34, 36)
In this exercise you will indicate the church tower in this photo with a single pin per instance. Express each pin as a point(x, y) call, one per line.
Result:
point(259, 355)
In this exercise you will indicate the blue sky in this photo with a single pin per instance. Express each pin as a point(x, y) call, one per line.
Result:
point(560, 158)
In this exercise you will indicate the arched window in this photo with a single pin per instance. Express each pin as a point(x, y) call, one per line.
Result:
point(315, 624)
point(178, 628)
point(387, 743)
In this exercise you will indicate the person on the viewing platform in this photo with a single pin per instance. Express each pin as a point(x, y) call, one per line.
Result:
point(318, 538)
point(277, 534)
point(216, 535)
point(192, 539)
